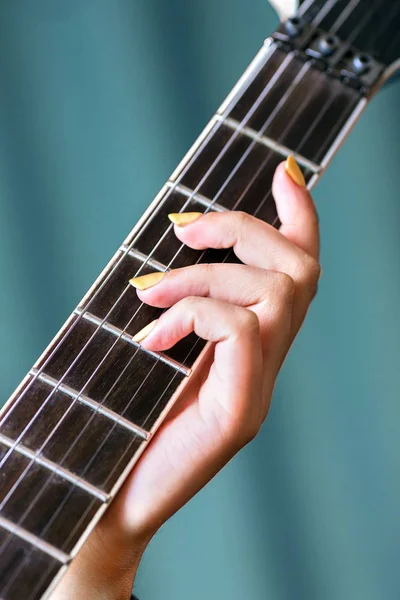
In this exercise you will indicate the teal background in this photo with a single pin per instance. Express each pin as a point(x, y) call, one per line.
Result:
point(99, 100)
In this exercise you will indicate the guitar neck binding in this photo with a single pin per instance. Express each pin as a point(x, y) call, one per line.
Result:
point(328, 53)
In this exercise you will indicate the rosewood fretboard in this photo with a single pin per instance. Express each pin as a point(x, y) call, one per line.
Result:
point(85, 412)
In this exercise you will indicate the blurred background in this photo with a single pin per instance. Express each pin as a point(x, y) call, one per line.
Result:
point(99, 100)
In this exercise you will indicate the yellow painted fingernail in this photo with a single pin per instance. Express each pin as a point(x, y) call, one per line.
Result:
point(294, 171)
point(147, 281)
point(143, 333)
point(184, 218)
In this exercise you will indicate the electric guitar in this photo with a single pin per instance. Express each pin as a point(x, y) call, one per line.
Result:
point(87, 410)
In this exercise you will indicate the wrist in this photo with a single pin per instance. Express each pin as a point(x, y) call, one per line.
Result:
point(104, 568)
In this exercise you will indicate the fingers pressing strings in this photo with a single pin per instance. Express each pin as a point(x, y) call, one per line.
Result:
point(293, 250)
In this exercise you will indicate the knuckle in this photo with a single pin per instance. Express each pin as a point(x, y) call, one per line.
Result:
point(243, 221)
point(313, 273)
point(310, 271)
point(248, 322)
point(286, 286)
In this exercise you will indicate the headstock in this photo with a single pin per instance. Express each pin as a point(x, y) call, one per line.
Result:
point(363, 36)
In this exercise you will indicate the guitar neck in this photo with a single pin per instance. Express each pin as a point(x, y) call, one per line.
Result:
point(84, 414)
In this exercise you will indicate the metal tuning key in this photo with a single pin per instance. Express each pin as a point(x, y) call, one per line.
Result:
point(330, 53)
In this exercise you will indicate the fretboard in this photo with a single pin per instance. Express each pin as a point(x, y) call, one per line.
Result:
point(83, 415)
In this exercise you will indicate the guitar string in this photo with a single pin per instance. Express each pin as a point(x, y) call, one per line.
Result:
point(269, 194)
point(291, 87)
point(265, 199)
point(63, 335)
point(254, 179)
point(394, 43)
point(270, 85)
point(270, 155)
point(196, 342)
point(114, 267)
point(345, 16)
point(39, 494)
point(118, 264)
point(207, 209)
point(385, 25)
point(363, 23)
point(288, 127)
point(325, 10)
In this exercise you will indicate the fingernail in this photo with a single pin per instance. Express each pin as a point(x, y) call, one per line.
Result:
point(294, 171)
point(184, 218)
point(143, 333)
point(147, 281)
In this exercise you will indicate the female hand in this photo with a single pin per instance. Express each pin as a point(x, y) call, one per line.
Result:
point(251, 313)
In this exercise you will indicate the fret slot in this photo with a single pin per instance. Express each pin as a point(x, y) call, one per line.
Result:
point(272, 144)
point(157, 238)
point(182, 189)
point(305, 110)
point(117, 301)
point(82, 444)
point(119, 333)
point(28, 566)
point(43, 503)
point(51, 466)
point(110, 414)
point(154, 264)
point(246, 103)
point(242, 177)
point(114, 373)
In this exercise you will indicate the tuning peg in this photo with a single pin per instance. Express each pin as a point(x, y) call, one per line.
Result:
point(294, 26)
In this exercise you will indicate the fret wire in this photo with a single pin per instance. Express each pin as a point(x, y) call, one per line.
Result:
point(111, 473)
point(36, 542)
point(286, 61)
point(57, 469)
point(269, 194)
point(160, 398)
point(254, 178)
point(106, 354)
point(114, 305)
point(274, 113)
point(115, 266)
point(128, 339)
point(277, 147)
point(185, 191)
point(155, 264)
point(252, 110)
point(270, 119)
point(87, 424)
point(103, 410)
